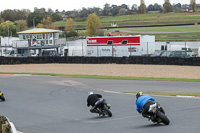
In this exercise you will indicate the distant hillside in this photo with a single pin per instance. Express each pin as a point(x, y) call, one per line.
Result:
point(143, 20)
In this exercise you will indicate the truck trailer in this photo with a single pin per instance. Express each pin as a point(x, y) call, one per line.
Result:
point(119, 46)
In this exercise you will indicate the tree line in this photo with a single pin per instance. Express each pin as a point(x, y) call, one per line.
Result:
point(12, 21)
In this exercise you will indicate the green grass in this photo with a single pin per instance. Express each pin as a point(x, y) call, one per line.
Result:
point(110, 77)
point(174, 36)
point(184, 34)
point(169, 94)
point(144, 19)
point(164, 29)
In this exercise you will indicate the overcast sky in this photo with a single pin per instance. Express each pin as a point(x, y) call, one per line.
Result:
point(74, 4)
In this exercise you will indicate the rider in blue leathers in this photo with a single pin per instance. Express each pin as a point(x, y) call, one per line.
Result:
point(143, 102)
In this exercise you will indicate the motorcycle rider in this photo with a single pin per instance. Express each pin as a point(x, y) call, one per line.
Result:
point(93, 100)
point(2, 96)
point(143, 103)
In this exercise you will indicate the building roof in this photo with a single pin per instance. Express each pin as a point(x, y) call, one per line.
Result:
point(39, 47)
point(38, 30)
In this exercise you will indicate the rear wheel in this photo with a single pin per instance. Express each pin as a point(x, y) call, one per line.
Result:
point(164, 119)
point(107, 111)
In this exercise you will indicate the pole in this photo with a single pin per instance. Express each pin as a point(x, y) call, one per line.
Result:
point(112, 50)
point(97, 50)
point(185, 49)
point(34, 23)
point(68, 49)
point(8, 34)
point(130, 49)
point(166, 48)
point(147, 48)
point(16, 49)
point(82, 48)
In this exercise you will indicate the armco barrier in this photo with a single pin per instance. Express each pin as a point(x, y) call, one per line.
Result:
point(195, 61)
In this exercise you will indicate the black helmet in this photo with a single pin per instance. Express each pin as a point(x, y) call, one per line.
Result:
point(138, 94)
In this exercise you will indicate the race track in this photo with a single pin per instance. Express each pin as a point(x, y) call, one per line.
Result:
point(38, 104)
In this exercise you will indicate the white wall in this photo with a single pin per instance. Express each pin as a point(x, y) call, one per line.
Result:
point(8, 41)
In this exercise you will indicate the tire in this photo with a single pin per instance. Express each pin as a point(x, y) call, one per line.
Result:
point(2, 98)
point(108, 111)
point(164, 119)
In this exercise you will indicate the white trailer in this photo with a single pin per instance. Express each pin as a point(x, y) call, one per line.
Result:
point(119, 46)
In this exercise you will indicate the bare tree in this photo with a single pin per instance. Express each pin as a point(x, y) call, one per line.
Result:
point(142, 7)
point(193, 5)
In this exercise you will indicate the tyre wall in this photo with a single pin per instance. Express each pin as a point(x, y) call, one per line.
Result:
point(195, 61)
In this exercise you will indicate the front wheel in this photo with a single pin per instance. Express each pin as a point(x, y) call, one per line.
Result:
point(164, 119)
point(2, 98)
point(107, 111)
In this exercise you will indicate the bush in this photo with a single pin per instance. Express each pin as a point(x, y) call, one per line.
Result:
point(70, 34)
point(80, 19)
point(100, 33)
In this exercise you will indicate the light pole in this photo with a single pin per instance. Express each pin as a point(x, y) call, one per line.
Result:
point(7, 23)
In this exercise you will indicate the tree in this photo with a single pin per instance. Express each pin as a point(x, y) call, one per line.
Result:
point(39, 25)
point(56, 17)
point(114, 10)
point(142, 7)
point(47, 23)
point(69, 26)
point(34, 18)
point(22, 25)
point(41, 10)
point(125, 6)
point(157, 7)
point(13, 15)
point(122, 11)
point(151, 8)
point(134, 7)
point(167, 7)
point(193, 5)
point(106, 9)
point(84, 13)
point(50, 11)
point(8, 28)
point(93, 24)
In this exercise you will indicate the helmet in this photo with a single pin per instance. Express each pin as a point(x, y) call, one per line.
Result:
point(138, 94)
point(90, 93)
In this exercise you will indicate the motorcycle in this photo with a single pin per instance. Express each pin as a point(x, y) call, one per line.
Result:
point(103, 108)
point(158, 114)
point(2, 96)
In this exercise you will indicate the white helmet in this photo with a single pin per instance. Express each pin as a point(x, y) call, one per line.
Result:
point(90, 93)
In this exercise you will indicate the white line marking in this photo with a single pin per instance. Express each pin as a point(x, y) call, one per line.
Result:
point(177, 96)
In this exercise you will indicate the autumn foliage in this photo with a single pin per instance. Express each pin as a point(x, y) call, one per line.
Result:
point(93, 24)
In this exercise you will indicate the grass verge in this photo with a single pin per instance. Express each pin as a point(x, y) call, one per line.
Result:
point(168, 94)
point(110, 77)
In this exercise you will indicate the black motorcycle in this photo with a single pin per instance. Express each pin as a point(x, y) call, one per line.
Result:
point(103, 108)
point(2, 96)
point(158, 114)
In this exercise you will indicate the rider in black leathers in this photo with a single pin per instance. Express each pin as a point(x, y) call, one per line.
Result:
point(93, 100)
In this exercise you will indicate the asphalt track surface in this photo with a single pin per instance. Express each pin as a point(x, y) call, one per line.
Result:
point(38, 104)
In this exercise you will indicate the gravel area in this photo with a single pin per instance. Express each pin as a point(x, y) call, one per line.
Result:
point(128, 70)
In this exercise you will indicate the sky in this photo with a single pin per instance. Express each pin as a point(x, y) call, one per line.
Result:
point(69, 5)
